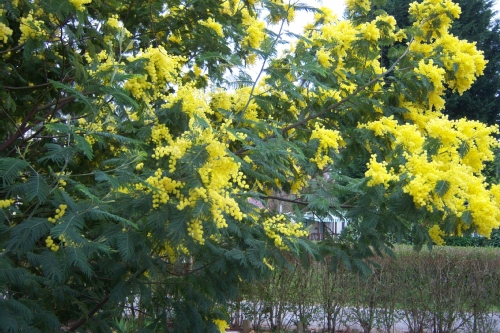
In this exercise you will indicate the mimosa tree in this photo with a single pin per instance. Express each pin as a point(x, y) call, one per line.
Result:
point(135, 146)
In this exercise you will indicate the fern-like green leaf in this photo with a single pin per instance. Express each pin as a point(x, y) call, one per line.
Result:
point(120, 95)
point(75, 92)
point(84, 146)
point(100, 214)
point(237, 255)
point(442, 187)
point(84, 190)
point(49, 264)
point(8, 323)
point(57, 154)
point(119, 138)
point(125, 245)
point(361, 267)
point(20, 310)
point(463, 149)
point(467, 217)
point(47, 320)
point(104, 177)
point(69, 225)
point(77, 258)
point(10, 168)
point(26, 234)
point(37, 188)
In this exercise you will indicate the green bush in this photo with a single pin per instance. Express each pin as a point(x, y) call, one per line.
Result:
point(493, 241)
point(439, 290)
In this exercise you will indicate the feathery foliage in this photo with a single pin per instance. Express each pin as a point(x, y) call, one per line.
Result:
point(142, 169)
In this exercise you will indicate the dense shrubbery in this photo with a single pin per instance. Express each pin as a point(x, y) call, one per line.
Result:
point(493, 240)
point(442, 290)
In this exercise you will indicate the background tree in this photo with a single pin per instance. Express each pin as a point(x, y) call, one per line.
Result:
point(134, 147)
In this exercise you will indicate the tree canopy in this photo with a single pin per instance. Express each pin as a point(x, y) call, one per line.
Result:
point(476, 23)
point(137, 155)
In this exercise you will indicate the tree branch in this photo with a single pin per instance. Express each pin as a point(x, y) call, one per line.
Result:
point(299, 202)
point(24, 128)
point(346, 99)
point(99, 305)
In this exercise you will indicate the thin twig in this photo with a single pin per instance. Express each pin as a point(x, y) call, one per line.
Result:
point(300, 202)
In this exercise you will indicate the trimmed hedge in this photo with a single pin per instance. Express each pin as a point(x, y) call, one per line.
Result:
point(493, 241)
point(444, 290)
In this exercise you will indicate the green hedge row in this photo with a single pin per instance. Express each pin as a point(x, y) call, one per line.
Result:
point(443, 290)
point(493, 241)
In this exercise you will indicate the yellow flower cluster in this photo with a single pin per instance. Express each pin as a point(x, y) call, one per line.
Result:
point(434, 17)
point(255, 30)
point(96, 125)
point(326, 15)
point(162, 69)
point(341, 33)
point(461, 60)
point(450, 179)
point(218, 175)
point(49, 242)
point(212, 24)
point(425, 176)
point(228, 8)
point(435, 75)
point(327, 139)
point(484, 208)
point(6, 203)
point(163, 188)
point(79, 4)
point(61, 182)
point(329, 95)
point(118, 27)
point(370, 31)
point(222, 325)
point(30, 28)
point(194, 102)
point(323, 57)
point(5, 32)
point(300, 181)
point(463, 56)
point(353, 5)
point(290, 13)
point(236, 101)
point(160, 133)
point(59, 213)
point(378, 173)
point(175, 151)
point(435, 233)
point(271, 267)
point(168, 251)
point(175, 38)
point(278, 225)
point(239, 101)
point(387, 26)
point(195, 230)
point(113, 22)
